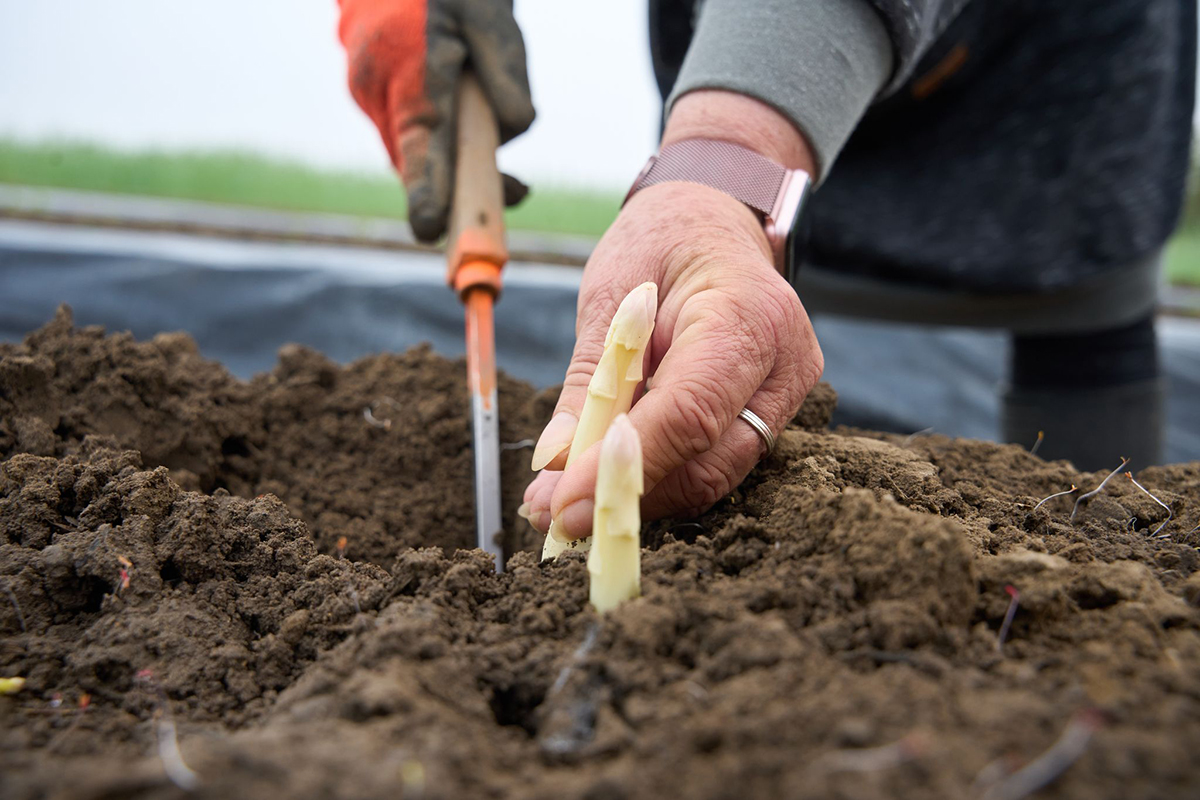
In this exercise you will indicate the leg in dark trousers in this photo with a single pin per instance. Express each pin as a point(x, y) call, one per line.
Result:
point(1097, 396)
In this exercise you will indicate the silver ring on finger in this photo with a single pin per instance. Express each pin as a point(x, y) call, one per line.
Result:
point(760, 427)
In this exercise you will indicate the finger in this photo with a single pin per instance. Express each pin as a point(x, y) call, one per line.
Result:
point(715, 364)
point(498, 57)
point(427, 137)
point(515, 190)
point(536, 507)
point(696, 486)
point(593, 314)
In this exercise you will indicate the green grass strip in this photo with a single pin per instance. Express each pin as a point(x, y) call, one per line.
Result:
point(253, 180)
point(240, 178)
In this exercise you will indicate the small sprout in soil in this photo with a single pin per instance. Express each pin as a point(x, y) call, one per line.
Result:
point(610, 391)
point(1072, 490)
point(375, 422)
point(11, 685)
point(12, 598)
point(1089, 495)
point(1047, 767)
point(178, 772)
point(873, 759)
point(1002, 636)
point(1170, 513)
point(1040, 438)
point(386, 424)
point(614, 563)
point(341, 547)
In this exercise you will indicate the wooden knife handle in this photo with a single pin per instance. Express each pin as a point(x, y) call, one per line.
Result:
point(475, 249)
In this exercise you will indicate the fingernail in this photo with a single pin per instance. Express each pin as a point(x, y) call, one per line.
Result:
point(555, 438)
point(576, 519)
point(542, 522)
point(523, 511)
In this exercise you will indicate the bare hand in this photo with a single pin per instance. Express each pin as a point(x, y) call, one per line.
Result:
point(730, 333)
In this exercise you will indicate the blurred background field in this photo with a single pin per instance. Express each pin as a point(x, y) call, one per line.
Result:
point(250, 179)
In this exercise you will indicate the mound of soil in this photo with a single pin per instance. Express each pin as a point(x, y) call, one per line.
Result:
point(173, 592)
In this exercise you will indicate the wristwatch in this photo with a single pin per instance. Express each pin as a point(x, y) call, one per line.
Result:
point(773, 192)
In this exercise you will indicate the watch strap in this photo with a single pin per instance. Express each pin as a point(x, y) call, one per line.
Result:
point(737, 171)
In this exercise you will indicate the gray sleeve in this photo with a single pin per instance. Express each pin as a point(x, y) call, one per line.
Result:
point(818, 62)
point(913, 25)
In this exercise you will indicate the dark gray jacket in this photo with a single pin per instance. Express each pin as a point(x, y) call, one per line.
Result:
point(988, 147)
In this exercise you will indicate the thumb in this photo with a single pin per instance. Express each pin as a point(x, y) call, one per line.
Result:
point(427, 136)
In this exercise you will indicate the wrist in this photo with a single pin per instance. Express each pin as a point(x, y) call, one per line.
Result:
point(742, 120)
point(688, 223)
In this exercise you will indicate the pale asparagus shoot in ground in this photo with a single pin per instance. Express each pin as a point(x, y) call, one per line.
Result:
point(614, 562)
point(610, 392)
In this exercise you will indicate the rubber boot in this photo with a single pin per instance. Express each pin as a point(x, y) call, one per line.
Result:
point(1094, 428)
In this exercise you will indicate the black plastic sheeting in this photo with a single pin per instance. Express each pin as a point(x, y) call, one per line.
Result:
point(248, 300)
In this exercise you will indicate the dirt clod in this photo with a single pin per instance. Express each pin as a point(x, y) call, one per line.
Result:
point(829, 630)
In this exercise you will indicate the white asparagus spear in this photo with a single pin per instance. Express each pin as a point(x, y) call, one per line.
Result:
point(610, 392)
point(614, 563)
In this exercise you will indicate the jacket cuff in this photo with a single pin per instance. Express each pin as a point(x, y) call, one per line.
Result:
point(820, 63)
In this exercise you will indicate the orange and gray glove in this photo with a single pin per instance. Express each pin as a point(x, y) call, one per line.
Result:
point(405, 58)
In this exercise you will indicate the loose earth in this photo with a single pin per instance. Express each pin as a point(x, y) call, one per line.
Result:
point(266, 588)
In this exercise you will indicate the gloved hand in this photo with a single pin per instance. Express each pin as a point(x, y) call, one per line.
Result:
point(405, 58)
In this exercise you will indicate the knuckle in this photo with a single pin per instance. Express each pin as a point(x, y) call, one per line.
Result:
point(598, 301)
point(704, 483)
point(698, 418)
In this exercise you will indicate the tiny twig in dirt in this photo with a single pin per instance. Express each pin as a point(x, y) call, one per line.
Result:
point(1008, 617)
point(1072, 490)
point(521, 445)
point(1098, 489)
point(1047, 767)
point(585, 647)
point(921, 661)
point(1170, 513)
point(178, 772)
point(914, 435)
point(12, 598)
point(1041, 437)
point(873, 759)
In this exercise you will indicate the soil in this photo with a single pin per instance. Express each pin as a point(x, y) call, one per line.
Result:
point(170, 563)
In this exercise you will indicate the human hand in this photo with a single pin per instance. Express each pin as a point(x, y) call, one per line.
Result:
point(405, 59)
point(730, 333)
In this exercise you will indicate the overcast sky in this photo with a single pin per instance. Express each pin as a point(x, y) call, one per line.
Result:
point(269, 75)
